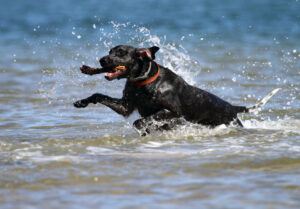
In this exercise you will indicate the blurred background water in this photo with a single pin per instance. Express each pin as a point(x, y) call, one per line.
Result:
point(55, 156)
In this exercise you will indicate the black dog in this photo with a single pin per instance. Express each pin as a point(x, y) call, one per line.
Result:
point(158, 93)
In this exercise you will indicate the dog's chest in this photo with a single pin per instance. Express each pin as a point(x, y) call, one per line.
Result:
point(145, 98)
point(146, 102)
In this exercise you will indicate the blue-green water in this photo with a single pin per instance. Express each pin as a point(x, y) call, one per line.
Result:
point(55, 156)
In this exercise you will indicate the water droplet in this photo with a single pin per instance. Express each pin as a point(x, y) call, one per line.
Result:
point(79, 36)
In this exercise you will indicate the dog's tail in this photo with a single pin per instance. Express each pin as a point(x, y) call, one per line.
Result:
point(261, 103)
point(257, 107)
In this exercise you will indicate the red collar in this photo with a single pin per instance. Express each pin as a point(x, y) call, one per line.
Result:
point(150, 80)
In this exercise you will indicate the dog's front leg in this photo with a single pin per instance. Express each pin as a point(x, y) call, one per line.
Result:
point(121, 106)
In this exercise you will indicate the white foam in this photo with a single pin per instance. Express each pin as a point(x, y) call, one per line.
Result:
point(197, 131)
point(38, 156)
point(58, 158)
point(100, 150)
point(155, 144)
point(285, 125)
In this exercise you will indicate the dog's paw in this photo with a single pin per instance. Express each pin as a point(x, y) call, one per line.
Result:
point(81, 103)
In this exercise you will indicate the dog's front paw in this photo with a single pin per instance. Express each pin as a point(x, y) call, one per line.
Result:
point(81, 103)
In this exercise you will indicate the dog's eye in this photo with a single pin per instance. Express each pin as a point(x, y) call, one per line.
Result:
point(121, 53)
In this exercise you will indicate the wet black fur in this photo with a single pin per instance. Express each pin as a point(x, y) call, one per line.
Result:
point(169, 98)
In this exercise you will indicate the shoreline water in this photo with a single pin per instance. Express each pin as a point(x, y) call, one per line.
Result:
point(55, 156)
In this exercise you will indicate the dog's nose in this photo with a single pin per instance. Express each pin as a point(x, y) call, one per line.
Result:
point(104, 61)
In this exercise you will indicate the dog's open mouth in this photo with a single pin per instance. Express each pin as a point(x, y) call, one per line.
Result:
point(116, 71)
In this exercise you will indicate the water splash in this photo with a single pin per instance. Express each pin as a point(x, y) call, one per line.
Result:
point(64, 77)
point(63, 83)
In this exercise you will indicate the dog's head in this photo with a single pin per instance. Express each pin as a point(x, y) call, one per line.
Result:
point(127, 61)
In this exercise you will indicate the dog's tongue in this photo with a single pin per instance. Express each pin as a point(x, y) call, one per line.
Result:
point(113, 74)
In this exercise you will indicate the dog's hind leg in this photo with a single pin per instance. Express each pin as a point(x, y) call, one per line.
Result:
point(160, 121)
point(238, 123)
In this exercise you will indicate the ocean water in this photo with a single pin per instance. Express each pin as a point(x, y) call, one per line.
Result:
point(53, 155)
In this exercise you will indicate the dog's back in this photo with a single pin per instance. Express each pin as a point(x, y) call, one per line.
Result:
point(206, 108)
point(194, 104)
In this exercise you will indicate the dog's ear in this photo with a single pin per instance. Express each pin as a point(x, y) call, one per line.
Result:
point(148, 53)
point(153, 50)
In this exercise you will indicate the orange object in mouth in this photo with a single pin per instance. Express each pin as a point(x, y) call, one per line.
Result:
point(120, 67)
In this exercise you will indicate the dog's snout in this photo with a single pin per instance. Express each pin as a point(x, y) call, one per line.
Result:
point(105, 61)
point(102, 61)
